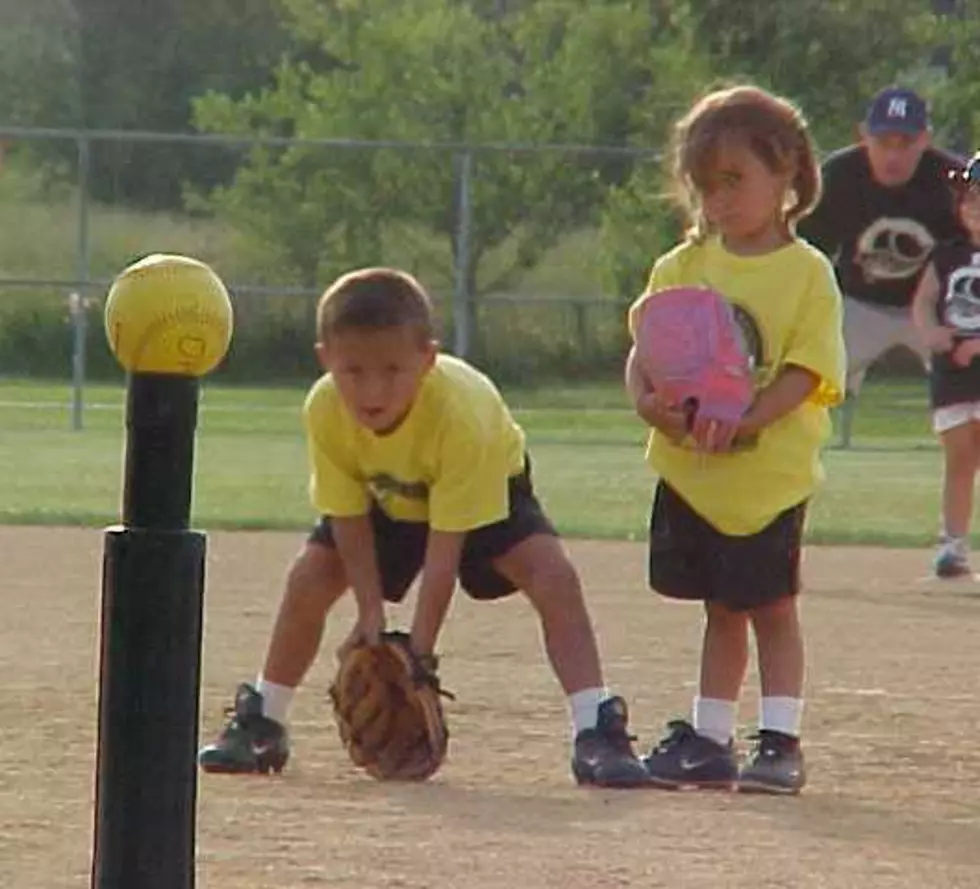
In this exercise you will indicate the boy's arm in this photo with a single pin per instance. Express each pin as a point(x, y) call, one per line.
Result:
point(439, 573)
point(354, 538)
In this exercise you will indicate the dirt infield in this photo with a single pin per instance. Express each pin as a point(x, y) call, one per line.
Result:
point(891, 737)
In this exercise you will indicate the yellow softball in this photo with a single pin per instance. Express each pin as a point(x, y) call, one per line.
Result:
point(168, 314)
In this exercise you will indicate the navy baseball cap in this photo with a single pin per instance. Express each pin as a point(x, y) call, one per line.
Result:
point(897, 110)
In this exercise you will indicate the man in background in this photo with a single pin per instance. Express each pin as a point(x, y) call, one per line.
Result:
point(885, 204)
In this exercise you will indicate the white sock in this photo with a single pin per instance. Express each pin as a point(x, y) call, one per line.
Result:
point(714, 718)
point(779, 714)
point(956, 544)
point(584, 705)
point(275, 699)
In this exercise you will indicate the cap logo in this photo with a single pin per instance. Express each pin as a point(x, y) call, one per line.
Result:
point(897, 108)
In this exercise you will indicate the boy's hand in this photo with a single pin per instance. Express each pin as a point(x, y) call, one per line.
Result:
point(368, 629)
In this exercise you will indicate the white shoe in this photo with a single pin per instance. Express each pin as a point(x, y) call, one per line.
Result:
point(952, 559)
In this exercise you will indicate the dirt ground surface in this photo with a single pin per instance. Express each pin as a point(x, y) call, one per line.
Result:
point(890, 734)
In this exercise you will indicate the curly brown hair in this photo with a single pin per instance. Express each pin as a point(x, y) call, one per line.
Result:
point(770, 126)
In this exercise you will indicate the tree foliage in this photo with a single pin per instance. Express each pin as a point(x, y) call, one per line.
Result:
point(438, 71)
point(480, 72)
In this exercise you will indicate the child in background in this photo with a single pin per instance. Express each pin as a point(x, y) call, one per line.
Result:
point(946, 312)
point(418, 466)
point(726, 527)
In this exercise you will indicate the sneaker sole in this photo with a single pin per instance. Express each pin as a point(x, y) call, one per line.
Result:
point(632, 783)
point(609, 785)
point(663, 784)
point(262, 767)
point(760, 787)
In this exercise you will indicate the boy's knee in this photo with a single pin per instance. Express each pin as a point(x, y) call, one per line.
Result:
point(316, 573)
point(551, 581)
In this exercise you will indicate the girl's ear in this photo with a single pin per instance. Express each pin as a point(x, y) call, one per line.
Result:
point(322, 355)
point(432, 350)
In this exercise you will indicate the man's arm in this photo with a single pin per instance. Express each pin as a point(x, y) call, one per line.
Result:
point(439, 573)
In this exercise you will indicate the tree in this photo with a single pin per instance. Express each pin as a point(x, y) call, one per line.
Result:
point(38, 59)
point(437, 71)
point(957, 91)
point(139, 66)
point(829, 57)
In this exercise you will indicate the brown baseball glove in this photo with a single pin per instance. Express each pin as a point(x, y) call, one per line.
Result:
point(386, 701)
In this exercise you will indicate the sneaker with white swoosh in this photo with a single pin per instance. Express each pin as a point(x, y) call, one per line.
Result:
point(250, 743)
point(686, 759)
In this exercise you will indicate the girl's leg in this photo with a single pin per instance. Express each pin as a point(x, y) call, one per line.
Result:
point(961, 456)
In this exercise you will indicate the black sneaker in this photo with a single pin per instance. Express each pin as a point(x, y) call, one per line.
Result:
point(250, 743)
point(604, 755)
point(686, 759)
point(775, 766)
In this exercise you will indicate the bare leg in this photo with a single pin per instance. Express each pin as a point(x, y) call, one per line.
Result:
point(314, 583)
point(961, 447)
point(540, 567)
point(782, 656)
point(724, 654)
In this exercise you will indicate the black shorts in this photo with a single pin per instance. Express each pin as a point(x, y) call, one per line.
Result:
point(400, 546)
point(691, 559)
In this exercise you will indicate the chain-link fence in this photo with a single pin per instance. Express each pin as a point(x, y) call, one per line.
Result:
point(508, 239)
point(531, 253)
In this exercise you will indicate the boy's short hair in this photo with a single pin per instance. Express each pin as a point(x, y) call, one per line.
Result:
point(372, 299)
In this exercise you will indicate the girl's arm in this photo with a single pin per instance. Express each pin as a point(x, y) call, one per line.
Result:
point(669, 421)
point(934, 336)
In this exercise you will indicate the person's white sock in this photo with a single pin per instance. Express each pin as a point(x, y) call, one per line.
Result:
point(275, 699)
point(714, 718)
point(781, 714)
point(955, 544)
point(584, 705)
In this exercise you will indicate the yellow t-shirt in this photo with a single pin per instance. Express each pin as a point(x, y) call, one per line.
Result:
point(447, 464)
point(788, 307)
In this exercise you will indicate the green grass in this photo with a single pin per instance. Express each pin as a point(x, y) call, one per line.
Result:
point(586, 445)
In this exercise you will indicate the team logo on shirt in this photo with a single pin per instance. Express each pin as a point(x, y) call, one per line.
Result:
point(892, 249)
point(751, 338)
point(383, 486)
point(963, 300)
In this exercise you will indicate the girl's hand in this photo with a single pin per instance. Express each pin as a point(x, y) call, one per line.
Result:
point(965, 352)
point(715, 436)
point(937, 338)
point(667, 419)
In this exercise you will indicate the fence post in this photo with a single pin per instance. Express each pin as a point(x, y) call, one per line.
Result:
point(77, 301)
point(461, 294)
point(77, 312)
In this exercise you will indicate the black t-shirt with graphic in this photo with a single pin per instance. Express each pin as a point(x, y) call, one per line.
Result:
point(879, 238)
point(957, 265)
